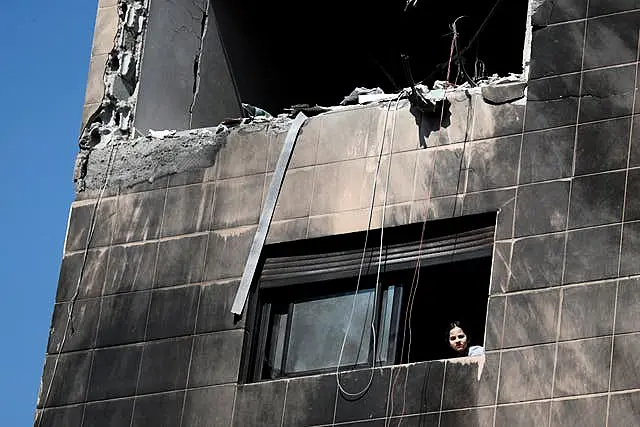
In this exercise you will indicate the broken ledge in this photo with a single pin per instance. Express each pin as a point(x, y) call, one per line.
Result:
point(130, 161)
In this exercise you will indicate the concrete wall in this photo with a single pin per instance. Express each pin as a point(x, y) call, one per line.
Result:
point(103, 41)
point(157, 64)
point(185, 81)
point(153, 342)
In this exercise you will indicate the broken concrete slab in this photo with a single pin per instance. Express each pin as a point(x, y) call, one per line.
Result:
point(126, 162)
point(501, 94)
point(215, 97)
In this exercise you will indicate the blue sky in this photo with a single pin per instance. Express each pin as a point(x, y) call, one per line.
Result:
point(45, 48)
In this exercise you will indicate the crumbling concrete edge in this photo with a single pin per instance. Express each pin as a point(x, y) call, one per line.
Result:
point(533, 8)
point(114, 118)
point(123, 162)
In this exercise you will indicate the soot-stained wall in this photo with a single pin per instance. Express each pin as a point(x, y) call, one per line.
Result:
point(153, 342)
point(185, 81)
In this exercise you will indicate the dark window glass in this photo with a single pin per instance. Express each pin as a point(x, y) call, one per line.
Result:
point(307, 334)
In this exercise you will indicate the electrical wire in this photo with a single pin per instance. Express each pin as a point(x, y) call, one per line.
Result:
point(360, 393)
point(76, 293)
point(417, 270)
point(484, 23)
point(481, 27)
point(410, 3)
point(460, 60)
point(416, 274)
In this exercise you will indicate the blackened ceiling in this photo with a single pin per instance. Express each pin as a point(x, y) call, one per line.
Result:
point(288, 52)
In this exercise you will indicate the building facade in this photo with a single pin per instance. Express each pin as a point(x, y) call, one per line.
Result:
point(162, 226)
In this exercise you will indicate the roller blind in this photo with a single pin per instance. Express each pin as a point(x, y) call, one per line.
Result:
point(287, 270)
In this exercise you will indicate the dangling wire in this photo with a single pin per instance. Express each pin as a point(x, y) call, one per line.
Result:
point(360, 393)
point(410, 3)
point(416, 273)
point(478, 66)
point(438, 68)
point(458, 57)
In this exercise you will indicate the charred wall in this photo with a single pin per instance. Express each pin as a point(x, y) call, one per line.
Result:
point(561, 168)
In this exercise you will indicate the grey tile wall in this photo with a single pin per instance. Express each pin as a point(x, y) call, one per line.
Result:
point(199, 410)
point(526, 374)
point(527, 414)
point(108, 413)
point(152, 341)
point(624, 409)
point(589, 411)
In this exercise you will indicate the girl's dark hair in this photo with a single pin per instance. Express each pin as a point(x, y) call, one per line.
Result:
point(454, 324)
point(458, 324)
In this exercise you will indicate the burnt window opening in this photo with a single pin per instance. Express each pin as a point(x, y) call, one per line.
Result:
point(284, 53)
point(301, 304)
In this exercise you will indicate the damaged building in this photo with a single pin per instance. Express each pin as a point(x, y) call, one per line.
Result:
point(280, 208)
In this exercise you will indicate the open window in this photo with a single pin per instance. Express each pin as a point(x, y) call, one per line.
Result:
point(275, 54)
point(307, 315)
point(285, 52)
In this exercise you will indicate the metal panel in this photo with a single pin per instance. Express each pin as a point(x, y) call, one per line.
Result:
point(267, 214)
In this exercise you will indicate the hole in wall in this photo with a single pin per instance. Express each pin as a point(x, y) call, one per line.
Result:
point(284, 53)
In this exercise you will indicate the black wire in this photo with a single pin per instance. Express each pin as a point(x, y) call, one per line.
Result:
point(484, 24)
point(442, 65)
point(460, 59)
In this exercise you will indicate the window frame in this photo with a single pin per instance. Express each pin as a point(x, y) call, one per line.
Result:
point(318, 293)
point(254, 352)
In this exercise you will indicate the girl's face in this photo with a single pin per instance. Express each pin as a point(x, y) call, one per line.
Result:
point(458, 340)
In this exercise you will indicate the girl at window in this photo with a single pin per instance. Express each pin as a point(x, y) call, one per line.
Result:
point(459, 341)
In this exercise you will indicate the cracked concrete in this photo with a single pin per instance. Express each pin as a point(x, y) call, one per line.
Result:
point(497, 109)
point(114, 117)
point(497, 95)
point(116, 110)
point(198, 60)
point(147, 158)
point(144, 158)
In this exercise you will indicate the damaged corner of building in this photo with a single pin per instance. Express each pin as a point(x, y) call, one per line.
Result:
point(249, 59)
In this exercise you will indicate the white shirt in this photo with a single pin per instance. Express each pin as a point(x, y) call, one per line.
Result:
point(476, 350)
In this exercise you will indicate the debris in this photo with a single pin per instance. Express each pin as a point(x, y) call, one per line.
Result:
point(307, 109)
point(161, 134)
point(501, 94)
point(365, 99)
point(353, 97)
point(233, 122)
point(252, 111)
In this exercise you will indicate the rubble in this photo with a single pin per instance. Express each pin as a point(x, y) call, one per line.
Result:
point(161, 134)
point(114, 117)
point(170, 151)
point(115, 113)
point(160, 153)
point(356, 94)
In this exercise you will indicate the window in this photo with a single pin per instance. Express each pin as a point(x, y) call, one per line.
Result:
point(306, 312)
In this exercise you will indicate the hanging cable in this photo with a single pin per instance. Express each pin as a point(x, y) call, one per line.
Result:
point(475, 36)
point(481, 27)
point(76, 293)
point(459, 59)
point(416, 274)
point(410, 3)
point(360, 393)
